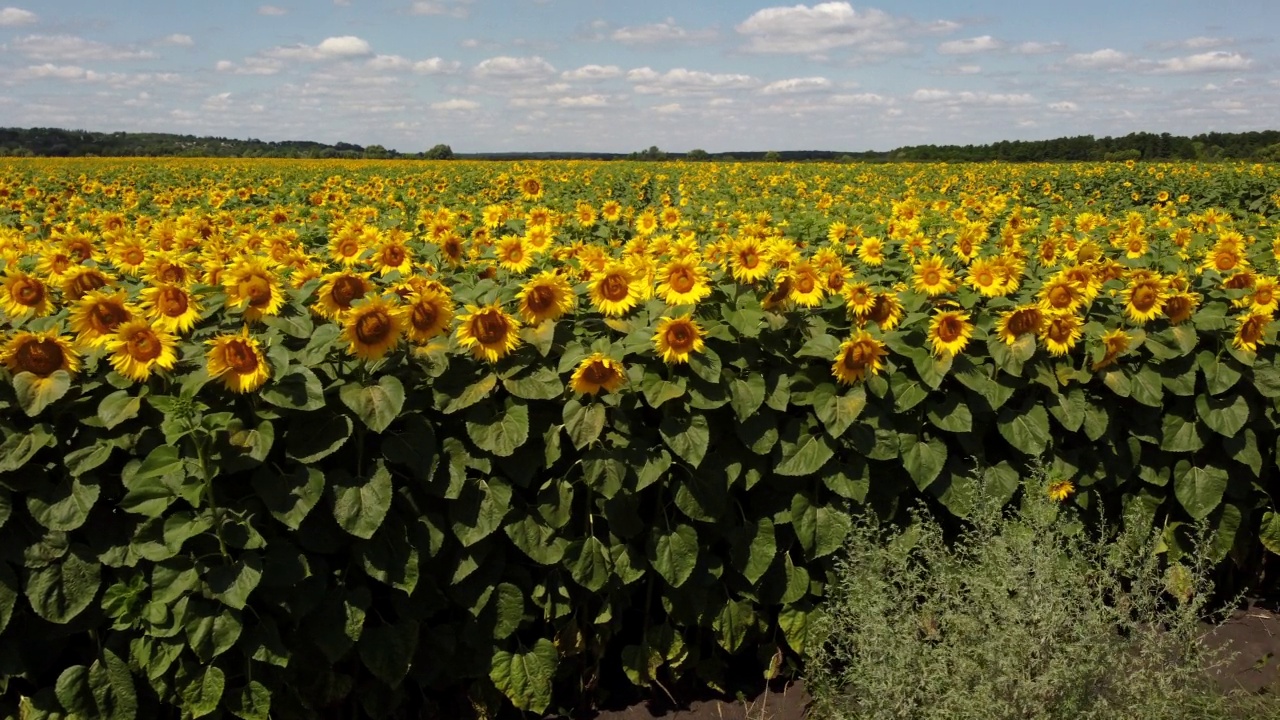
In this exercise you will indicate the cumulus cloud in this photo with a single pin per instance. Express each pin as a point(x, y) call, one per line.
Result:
point(505, 67)
point(932, 95)
point(333, 48)
point(666, 31)
point(1105, 59)
point(1066, 106)
point(12, 17)
point(680, 81)
point(584, 101)
point(796, 85)
point(456, 105)
point(177, 40)
point(1038, 48)
point(272, 10)
point(250, 66)
point(65, 48)
point(436, 66)
point(871, 99)
point(1218, 61)
point(592, 73)
point(805, 30)
point(450, 8)
point(968, 46)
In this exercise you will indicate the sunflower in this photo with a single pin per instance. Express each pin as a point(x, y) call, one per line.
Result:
point(238, 361)
point(747, 262)
point(1179, 306)
point(932, 277)
point(807, 285)
point(1114, 344)
point(985, 277)
point(39, 353)
point(392, 255)
point(137, 348)
point(453, 249)
point(23, 294)
point(95, 317)
point(429, 313)
point(1022, 320)
point(1060, 490)
point(346, 246)
point(372, 328)
point(1250, 327)
point(859, 356)
point(338, 290)
point(513, 254)
point(1062, 294)
point(677, 338)
point(683, 282)
point(595, 373)
point(949, 332)
point(530, 188)
point(170, 307)
point(250, 284)
point(859, 298)
point(547, 296)
point(1144, 299)
point(871, 252)
point(611, 210)
point(1061, 331)
point(886, 311)
point(646, 223)
point(614, 291)
point(1265, 296)
point(488, 332)
point(779, 298)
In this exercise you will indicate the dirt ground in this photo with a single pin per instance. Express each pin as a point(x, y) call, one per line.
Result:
point(1252, 634)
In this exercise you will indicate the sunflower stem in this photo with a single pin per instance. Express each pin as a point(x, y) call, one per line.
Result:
point(202, 457)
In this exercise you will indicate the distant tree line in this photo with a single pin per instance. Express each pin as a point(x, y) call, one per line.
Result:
point(54, 142)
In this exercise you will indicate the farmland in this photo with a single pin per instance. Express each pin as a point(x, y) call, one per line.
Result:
point(291, 435)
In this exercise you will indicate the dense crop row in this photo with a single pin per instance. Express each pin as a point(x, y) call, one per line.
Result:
point(286, 435)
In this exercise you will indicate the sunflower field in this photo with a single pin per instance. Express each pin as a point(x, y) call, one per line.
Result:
point(282, 438)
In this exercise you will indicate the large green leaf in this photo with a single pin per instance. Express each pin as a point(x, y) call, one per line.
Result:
point(118, 407)
point(733, 624)
point(312, 441)
point(376, 405)
point(9, 591)
point(112, 687)
point(201, 691)
point(754, 547)
point(747, 395)
point(674, 553)
point(951, 414)
point(525, 676)
point(837, 410)
point(583, 421)
point(233, 582)
point(359, 506)
point(1147, 387)
point(1179, 433)
point(36, 393)
point(1070, 409)
point(290, 496)
point(499, 430)
point(537, 540)
point(299, 389)
point(479, 510)
point(541, 384)
point(820, 528)
point(924, 460)
point(1225, 414)
point(1026, 428)
point(687, 435)
point(804, 456)
point(589, 563)
point(65, 505)
point(252, 702)
point(1269, 533)
point(1199, 489)
point(387, 650)
point(61, 590)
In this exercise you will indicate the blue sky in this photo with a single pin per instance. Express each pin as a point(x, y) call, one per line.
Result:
point(491, 75)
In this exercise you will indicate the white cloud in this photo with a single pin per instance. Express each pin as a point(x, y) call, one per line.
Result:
point(334, 48)
point(436, 66)
point(385, 63)
point(932, 95)
point(51, 71)
point(456, 104)
point(505, 67)
point(664, 32)
point(1038, 48)
point(668, 109)
point(1105, 59)
point(451, 8)
point(72, 48)
point(968, 46)
point(796, 85)
point(12, 17)
point(1066, 106)
point(177, 39)
point(592, 72)
point(584, 101)
point(1217, 61)
point(805, 30)
point(251, 66)
point(861, 99)
point(965, 70)
point(680, 81)
point(1200, 42)
point(272, 10)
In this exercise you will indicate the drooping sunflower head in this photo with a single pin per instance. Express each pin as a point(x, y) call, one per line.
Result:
point(949, 332)
point(614, 290)
point(238, 362)
point(861, 355)
point(23, 295)
point(338, 290)
point(1022, 320)
point(1061, 331)
point(547, 296)
point(39, 353)
point(488, 332)
point(138, 349)
point(171, 307)
point(427, 315)
point(597, 372)
point(683, 282)
point(1251, 328)
point(372, 328)
point(1114, 344)
point(677, 338)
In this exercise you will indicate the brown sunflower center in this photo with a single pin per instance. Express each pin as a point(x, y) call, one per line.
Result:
point(1023, 322)
point(105, 315)
point(144, 346)
point(881, 310)
point(680, 337)
point(1059, 330)
point(172, 273)
point(133, 255)
point(805, 284)
point(1177, 308)
point(1144, 298)
point(1251, 330)
point(1224, 260)
point(393, 256)
point(28, 292)
point(615, 288)
point(540, 299)
point(597, 373)
point(452, 248)
point(950, 329)
point(240, 357)
point(857, 357)
point(39, 357)
point(59, 263)
point(348, 248)
point(1061, 297)
point(682, 280)
point(423, 316)
point(346, 289)
point(373, 327)
point(931, 277)
point(491, 329)
point(172, 302)
point(1135, 245)
point(257, 289)
point(749, 259)
point(1239, 281)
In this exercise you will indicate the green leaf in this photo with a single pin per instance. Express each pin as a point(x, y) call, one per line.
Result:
point(837, 410)
point(706, 365)
point(907, 391)
point(1225, 415)
point(79, 462)
point(290, 496)
point(732, 624)
point(18, 448)
point(525, 676)
point(389, 558)
point(1180, 434)
point(1026, 428)
point(479, 510)
point(821, 529)
point(62, 506)
point(299, 389)
point(233, 582)
point(821, 346)
point(746, 395)
point(1199, 490)
point(537, 540)
point(61, 590)
point(805, 456)
point(541, 384)
point(499, 431)
point(1147, 387)
point(359, 507)
point(1070, 409)
point(589, 563)
point(210, 631)
point(376, 405)
point(118, 407)
point(470, 395)
point(387, 650)
point(202, 692)
point(746, 317)
point(413, 446)
point(583, 421)
point(9, 589)
point(112, 687)
point(1269, 534)
point(754, 549)
point(74, 693)
point(505, 610)
point(36, 393)
point(658, 390)
point(674, 553)
point(950, 414)
point(312, 441)
point(1219, 375)
point(253, 702)
point(924, 460)
point(688, 436)
point(796, 625)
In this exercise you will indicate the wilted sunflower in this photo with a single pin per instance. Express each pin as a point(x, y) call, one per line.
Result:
point(547, 296)
point(238, 362)
point(171, 307)
point(251, 285)
point(488, 332)
point(677, 338)
point(137, 349)
point(859, 356)
point(513, 254)
point(1250, 328)
point(597, 372)
point(949, 332)
point(372, 328)
point(1144, 299)
point(683, 282)
point(1061, 331)
point(429, 313)
point(1022, 320)
point(932, 277)
point(614, 291)
point(95, 317)
point(23, 294)
point(1114, 344)
point(39, 353)
point(338, 290)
